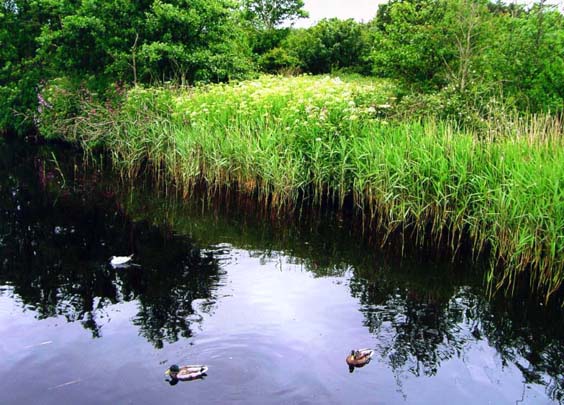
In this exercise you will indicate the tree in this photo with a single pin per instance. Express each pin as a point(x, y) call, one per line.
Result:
point(468, 25)
point(94, 43)
point(474, 52)
point(526, 57)
point(269, 14)
point(21, 22)
point(330, 44)
point(193, 40)
point(121, 40)
point(410, 42)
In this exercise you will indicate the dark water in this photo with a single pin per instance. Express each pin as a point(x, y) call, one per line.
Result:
point(272, 308)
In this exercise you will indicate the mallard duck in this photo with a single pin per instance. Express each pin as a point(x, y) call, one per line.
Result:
point(359, 358)
point(117, 261)
point(185, 373)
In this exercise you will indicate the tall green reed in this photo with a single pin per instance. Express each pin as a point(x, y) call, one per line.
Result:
point(307, 140)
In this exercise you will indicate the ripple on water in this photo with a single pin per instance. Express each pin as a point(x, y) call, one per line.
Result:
point(258, 364)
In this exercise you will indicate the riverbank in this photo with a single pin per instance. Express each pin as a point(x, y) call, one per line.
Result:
point(299, 142)
point(223, 285)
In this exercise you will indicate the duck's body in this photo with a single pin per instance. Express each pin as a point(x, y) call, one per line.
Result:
point(117, 261)
point(185, 373)
point(359, 358)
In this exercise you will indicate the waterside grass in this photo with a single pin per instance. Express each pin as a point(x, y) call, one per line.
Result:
point(307, 140)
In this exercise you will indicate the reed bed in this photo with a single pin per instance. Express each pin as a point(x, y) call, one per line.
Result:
point(315, 139)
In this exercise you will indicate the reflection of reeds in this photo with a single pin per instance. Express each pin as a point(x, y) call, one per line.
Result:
point(58, 169)
point(292, 140)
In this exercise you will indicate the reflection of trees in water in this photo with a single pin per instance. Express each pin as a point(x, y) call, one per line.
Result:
point(168, 287)
point(418, 327)
point(55, 247)
point(54, 252)
point(531, 337)
point(411, 329)
point(420, 314)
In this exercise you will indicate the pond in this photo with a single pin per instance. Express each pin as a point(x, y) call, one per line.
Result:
point(272, 308)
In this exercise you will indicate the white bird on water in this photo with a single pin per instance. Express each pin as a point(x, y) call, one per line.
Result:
point(118, 261)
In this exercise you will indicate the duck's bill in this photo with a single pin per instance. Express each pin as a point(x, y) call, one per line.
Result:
point(167, 372)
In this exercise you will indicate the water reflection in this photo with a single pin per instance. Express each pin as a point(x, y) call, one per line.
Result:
point(419, 329)
point(422, 314)
point(56, 239)
point(59, 225)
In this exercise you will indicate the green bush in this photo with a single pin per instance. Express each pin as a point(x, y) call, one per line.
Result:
point(71, 110)
point(331, 44)
point(278, 60)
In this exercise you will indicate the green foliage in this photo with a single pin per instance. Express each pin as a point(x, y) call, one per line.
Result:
point(456, 59)
point(69, 108)
point(192, 41)
point(526, 60)
point(98, 43)
point(331, 44)
point(62, 102)
point(263, 41)
point(157, 41)
point(283, 139)
point(19, 71)
point(278, 60)
point(91, 38)
point(479, 50)
point(269, 14)
point(409, 42)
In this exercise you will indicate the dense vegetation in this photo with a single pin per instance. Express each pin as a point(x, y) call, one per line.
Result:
point(468, 59)
point(445, 310)
point(454, 133)
point(305, 140)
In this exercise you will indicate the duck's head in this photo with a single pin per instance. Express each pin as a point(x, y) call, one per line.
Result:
point(172, 371)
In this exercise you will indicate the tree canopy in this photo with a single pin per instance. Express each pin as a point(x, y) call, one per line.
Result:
point(269, 14)
point(466, 50)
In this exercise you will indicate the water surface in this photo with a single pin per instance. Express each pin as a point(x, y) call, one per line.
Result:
point(272, 308)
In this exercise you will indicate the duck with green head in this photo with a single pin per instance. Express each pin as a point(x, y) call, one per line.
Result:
point(186, 373)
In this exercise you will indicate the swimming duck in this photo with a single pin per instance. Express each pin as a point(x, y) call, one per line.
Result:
point(359, 358)
point(117, 261)
point(186, 373)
